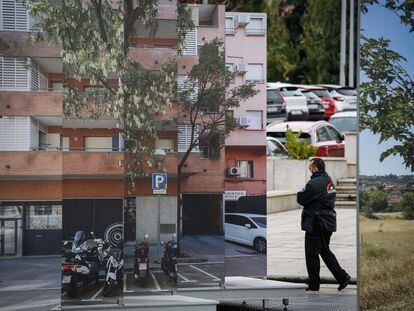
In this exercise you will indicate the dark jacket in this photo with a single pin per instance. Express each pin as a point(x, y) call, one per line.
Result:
point(318, 201)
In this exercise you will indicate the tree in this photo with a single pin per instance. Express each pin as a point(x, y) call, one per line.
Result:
point(387, 97)
point(242, 5)
point(204, 101)
point(96, 36)
point(406, 205)
point(377, 201)
point(299, 149)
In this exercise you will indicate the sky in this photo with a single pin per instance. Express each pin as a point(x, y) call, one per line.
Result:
point(376, 23)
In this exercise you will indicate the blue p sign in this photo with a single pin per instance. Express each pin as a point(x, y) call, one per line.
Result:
point(159, 183)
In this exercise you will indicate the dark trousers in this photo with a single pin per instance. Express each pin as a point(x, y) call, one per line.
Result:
point(317, 243)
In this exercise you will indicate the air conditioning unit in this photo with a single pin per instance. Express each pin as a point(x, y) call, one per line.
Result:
point(241, 68)
point(243, 19)
point(243, 121)
point(233, 171)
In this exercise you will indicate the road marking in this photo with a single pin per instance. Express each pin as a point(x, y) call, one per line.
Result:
point(58, 307)
point(93, 298)
point(206, 273)
point(185, 279)
point(155, 281)
point(124, 282)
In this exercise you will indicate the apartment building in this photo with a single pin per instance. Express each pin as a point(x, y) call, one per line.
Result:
point(245, 148)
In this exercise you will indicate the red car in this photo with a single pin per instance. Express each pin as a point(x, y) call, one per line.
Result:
point(327, 101)
point(321, 134)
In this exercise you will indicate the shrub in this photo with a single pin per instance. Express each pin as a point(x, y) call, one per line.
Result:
point(407, 205)
point(299, 149)
point(378, 201)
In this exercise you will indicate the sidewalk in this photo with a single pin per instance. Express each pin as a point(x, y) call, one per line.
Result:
point(286, 253)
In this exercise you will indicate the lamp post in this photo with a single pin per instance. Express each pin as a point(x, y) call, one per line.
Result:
point(159, 157)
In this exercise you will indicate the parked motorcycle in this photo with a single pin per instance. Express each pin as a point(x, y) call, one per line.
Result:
point(141, 261)
point(80, 266)
point(114, 269)
point(169, 259)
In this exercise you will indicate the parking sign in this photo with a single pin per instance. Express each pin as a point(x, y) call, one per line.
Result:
point(159, 183)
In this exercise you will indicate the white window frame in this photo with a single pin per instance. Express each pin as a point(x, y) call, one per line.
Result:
point(256, 32)
point(230, 30)
point(190, 43)
point(185, 141)
point(261, 119)
point(261, 80)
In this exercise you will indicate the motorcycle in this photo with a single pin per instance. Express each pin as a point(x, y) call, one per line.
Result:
point(114, 269)
point(141, 261)
point(80, 266)
point(169, 260)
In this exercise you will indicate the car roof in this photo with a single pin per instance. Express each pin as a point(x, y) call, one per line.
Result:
point(310, 87)
point(345, 114)
point(296, 126)
point(271, 85)
point(246, 214)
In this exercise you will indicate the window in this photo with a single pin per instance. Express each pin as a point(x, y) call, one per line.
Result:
point(190, 42)
point(184, 138)
point(44, 217)
point(167, 144)
point(281, 136)
point(186, 85)
point(255, 26)
point(334, 134)
point(255, 120)
point(275, 149)
point(102, 144)
point(246, 168)
point(260, 221)
point(15, 16)
point(14, 74)
point(230, 25)
point(322, 134)
point(254, 72)
point(65, 143)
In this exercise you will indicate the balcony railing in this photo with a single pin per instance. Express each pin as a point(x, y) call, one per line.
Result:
point(27, 103)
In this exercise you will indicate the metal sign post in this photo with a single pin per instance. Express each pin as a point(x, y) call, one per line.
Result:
point(159, 187)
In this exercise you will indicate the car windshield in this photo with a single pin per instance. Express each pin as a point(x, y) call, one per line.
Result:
point(322, 93)
point(260, 221)
point(281, 136)
point(275, 149)
point(273, 97)
point(343, 124)
point(347, 92)
point(290, 91)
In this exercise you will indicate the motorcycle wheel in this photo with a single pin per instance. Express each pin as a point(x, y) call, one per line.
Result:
point(108, 288)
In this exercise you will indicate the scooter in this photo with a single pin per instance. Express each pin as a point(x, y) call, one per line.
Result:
point(80, 267)
point(169, 260)
point(114, 269)
point(141, 262)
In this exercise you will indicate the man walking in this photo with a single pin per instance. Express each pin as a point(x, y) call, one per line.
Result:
point(319, 221)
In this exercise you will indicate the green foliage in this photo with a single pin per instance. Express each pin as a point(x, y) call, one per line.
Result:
point(377, 201)
point(298, 149)
point(242, 5)
point(374, 251)
point(206, 98)
point(368, 212)
point(406, 205)
point(387, 98)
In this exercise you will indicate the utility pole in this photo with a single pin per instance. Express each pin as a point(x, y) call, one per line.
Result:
point(343, 44)
point(351, 44)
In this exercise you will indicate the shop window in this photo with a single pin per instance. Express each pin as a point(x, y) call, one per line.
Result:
point(44, 217)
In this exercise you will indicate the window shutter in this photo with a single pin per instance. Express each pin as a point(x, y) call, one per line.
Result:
point(14, 134)
point(182, 80)
point(255, 118)
point(230, 25)
point(184, 138)
point(254, 72)
point(14, 15)
point(14, 74)
point(255, 26)
point(190, 42)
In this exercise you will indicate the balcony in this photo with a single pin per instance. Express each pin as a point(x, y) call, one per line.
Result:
point(15, 165)
point(37, 49)
point(96, 165)
point(26, 103)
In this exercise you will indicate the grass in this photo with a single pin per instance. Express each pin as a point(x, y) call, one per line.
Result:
point(387, 264)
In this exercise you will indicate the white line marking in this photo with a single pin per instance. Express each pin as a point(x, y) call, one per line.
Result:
point(206, 273)
point(58, 307)
point(95, 295)
point(124, 281)
point(155, 281)
point(185, 279)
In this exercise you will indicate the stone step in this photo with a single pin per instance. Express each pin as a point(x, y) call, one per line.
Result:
point(345, 204)
point(347, 180)
point(345, 196)
point(345, 188)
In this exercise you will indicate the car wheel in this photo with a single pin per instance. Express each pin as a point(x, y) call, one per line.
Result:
point(260, 245)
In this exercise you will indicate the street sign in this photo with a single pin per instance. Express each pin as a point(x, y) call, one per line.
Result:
point(159, 183)
point(234, 195)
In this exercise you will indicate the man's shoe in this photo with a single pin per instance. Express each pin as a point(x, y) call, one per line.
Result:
point(312, 289)
point(345, 283)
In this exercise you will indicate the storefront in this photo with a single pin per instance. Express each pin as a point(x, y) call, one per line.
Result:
point(30, 228)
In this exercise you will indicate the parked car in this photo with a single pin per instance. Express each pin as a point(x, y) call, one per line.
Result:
point(345, 97)
point(275, 148)
point(321, 134)
point(315, 106)
point(346, 121)
point(276, 106)
point(248, 229)
point(327, 101)
point(296, 104)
